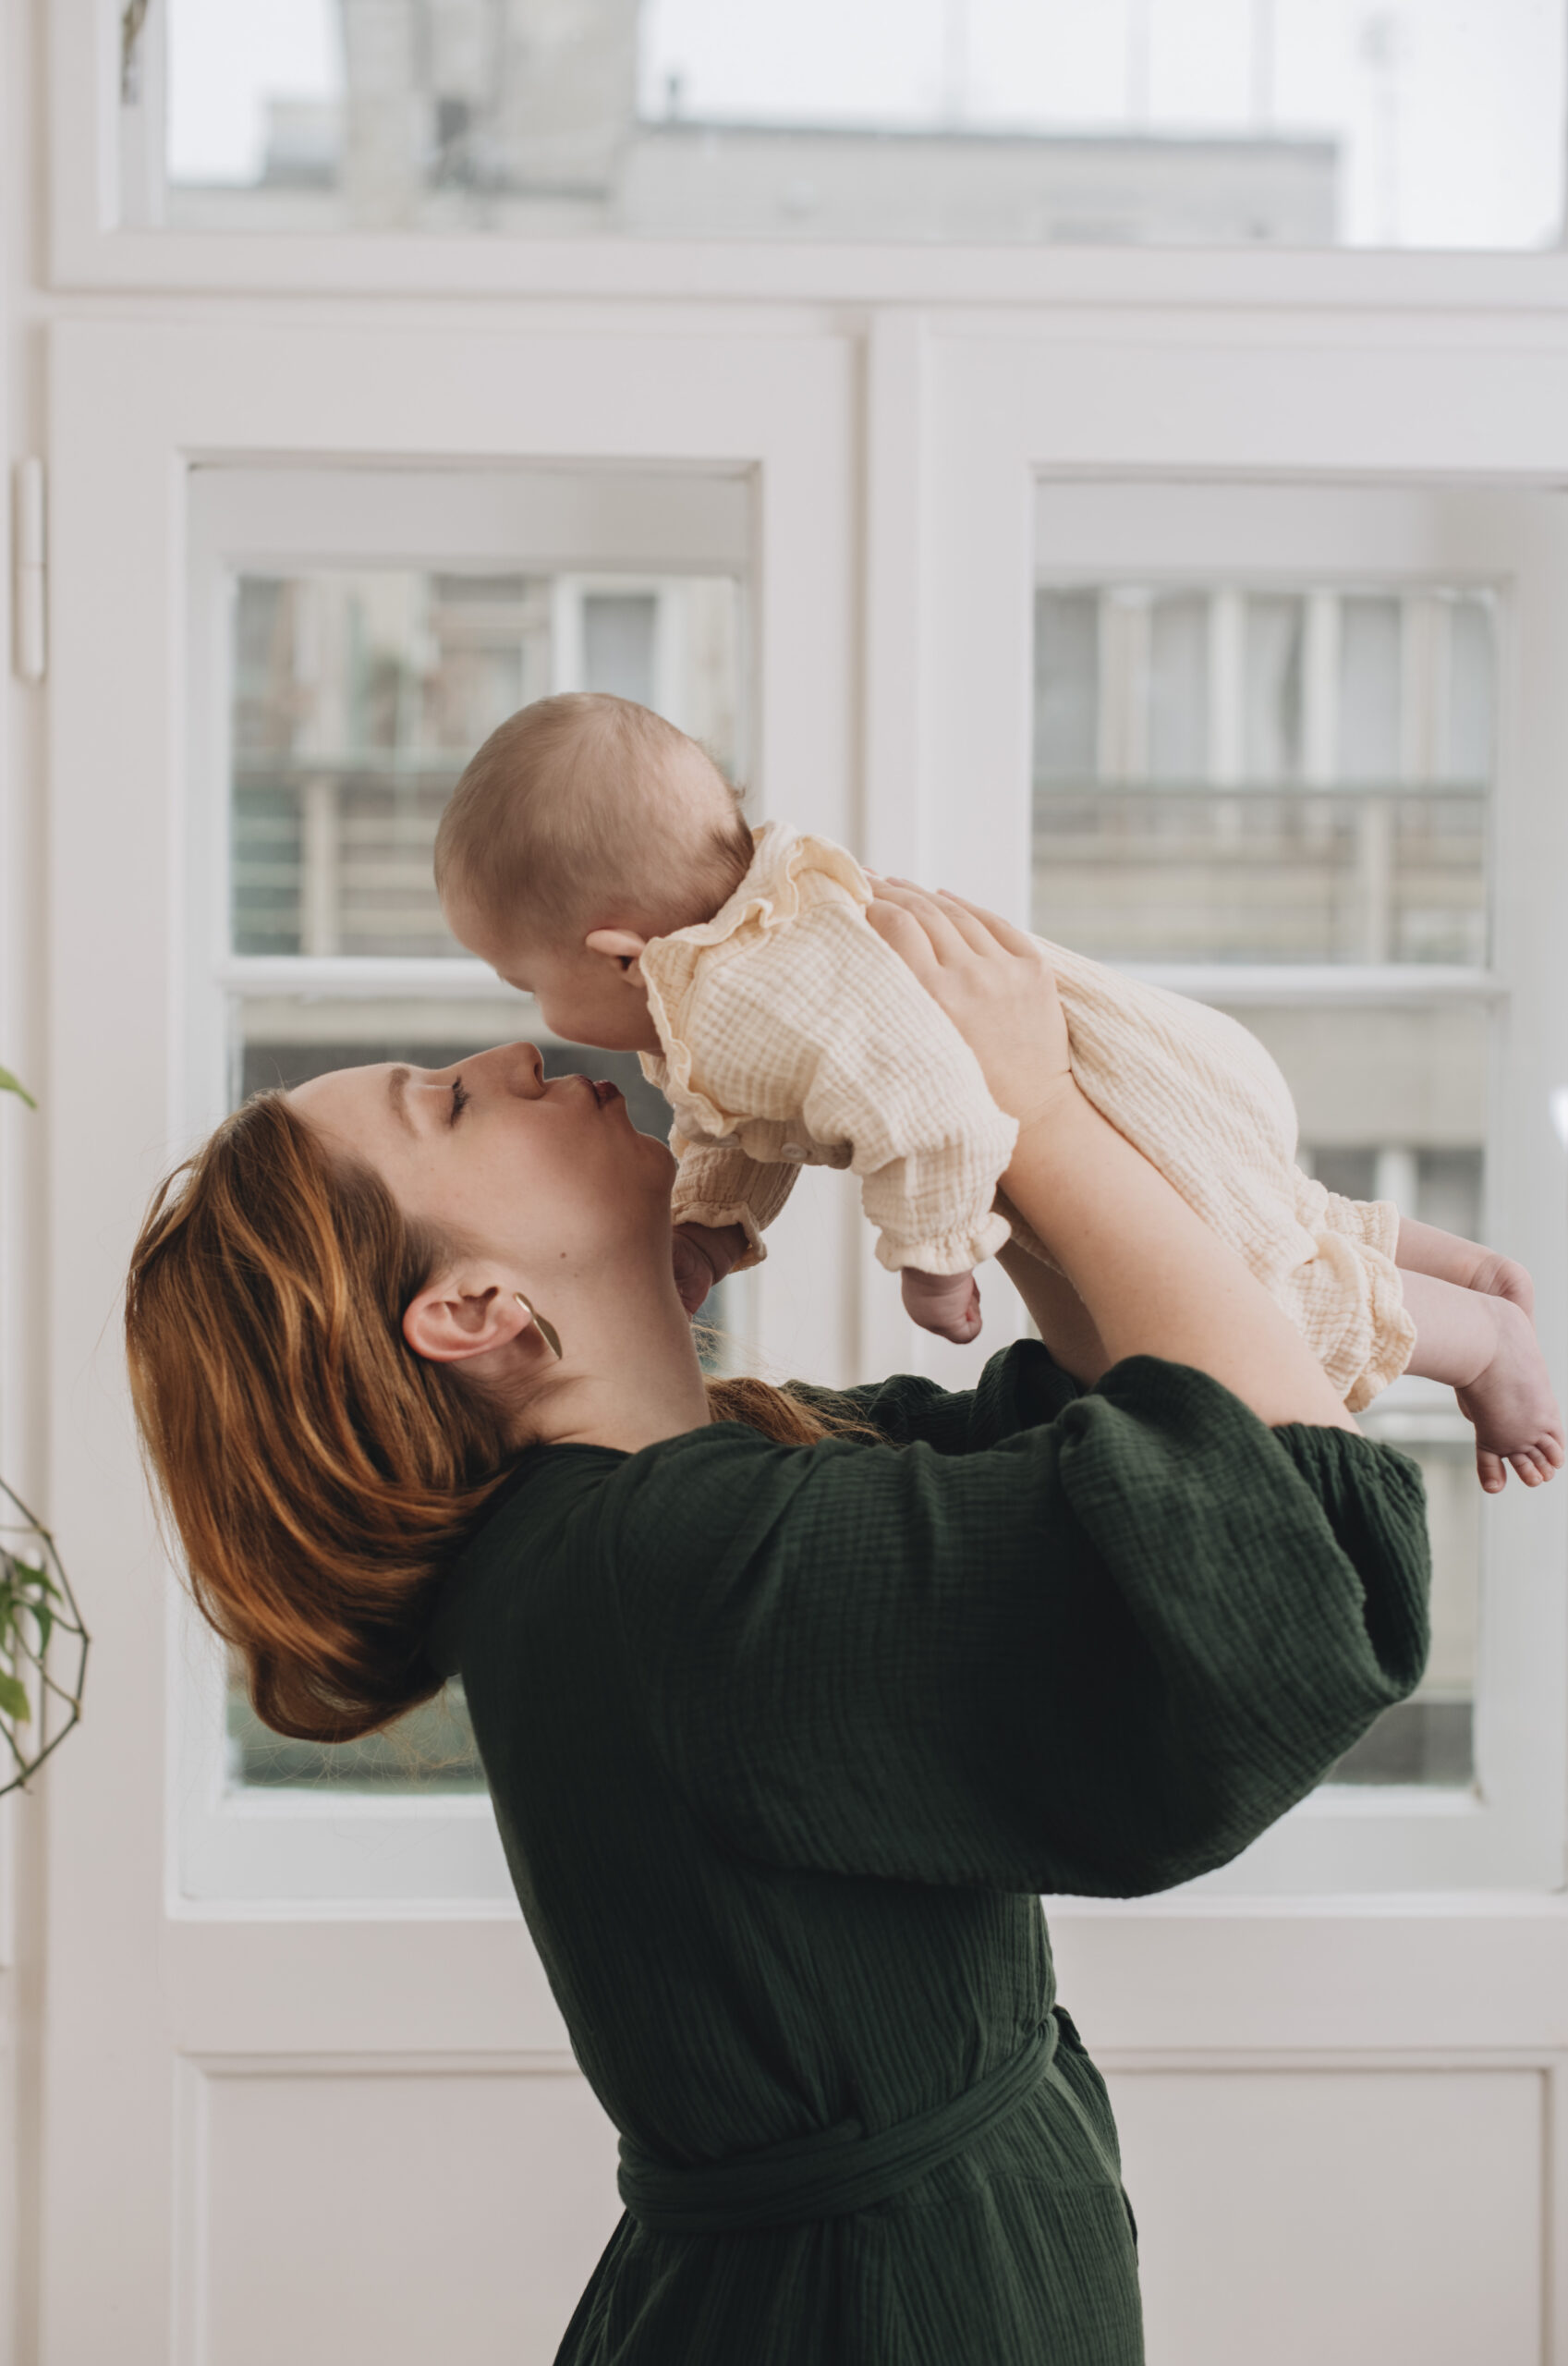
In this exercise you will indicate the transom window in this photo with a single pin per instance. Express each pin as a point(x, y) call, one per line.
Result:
point(1196, 122)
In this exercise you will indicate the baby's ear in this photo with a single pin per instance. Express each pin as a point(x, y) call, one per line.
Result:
point(617, 945)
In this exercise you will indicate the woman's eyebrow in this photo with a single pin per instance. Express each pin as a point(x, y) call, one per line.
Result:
point(397, 1086)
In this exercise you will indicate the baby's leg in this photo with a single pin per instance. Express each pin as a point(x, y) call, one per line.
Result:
point(948, 1304)
point(1423, 1249)
point(1484, 1348)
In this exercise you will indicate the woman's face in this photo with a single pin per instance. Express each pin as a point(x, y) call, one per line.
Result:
point(548, 1172)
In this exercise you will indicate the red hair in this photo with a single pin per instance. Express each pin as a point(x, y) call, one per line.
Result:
point(320, 1474)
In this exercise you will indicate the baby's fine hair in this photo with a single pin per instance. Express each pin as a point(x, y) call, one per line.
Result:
point(585, 810)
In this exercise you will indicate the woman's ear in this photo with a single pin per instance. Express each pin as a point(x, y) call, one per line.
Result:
point(621, 945)
point(461, 1316)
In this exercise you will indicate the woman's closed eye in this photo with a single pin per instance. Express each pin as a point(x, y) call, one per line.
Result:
point(459, 1100)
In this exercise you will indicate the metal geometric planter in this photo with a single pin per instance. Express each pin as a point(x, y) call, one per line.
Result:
point(42, 1645)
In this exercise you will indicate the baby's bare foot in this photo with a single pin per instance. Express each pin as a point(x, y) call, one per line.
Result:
point(1511, 1405)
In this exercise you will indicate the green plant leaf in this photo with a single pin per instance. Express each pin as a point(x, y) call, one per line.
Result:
point(29, 1577)
point(8, 1084)
point(14, 1702)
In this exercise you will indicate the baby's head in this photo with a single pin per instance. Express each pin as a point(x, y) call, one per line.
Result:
point(584, 826)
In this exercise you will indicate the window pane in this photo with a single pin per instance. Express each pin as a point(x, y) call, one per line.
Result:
point(1067, 684)
point(430, 1750)
point(1369, 687)
point(1224, 773)
point(360, 694)
point(1273, 715)
point(1207, 122)
point(1178, 687)
point(617, 632)
point(1392, 1103)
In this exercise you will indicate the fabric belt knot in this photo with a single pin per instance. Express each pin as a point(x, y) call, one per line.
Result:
point(834, 2170)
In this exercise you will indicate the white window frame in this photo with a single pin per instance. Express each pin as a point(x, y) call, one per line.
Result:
point(103, 193)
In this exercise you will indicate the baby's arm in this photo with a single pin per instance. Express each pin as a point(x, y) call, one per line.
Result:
point(702, 1257)
point(816, 1030)
point(720, 1204)
point(882, 1071)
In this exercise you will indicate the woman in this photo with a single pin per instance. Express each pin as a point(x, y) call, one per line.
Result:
point(789, 1708)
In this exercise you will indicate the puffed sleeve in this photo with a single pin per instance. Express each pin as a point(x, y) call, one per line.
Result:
point(815, 1038)
point(717, 1184)
point(1098, 1656)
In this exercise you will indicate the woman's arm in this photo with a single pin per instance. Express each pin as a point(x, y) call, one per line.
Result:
point(1058, 1313)
point(1099, 1654)
point(1153, 1277)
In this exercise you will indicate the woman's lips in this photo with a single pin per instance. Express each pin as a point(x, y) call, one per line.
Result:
point(605, 1091)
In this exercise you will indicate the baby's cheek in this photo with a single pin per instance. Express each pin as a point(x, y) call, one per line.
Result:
point(561, 1017)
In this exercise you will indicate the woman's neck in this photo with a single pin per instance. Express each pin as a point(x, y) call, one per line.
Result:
point(629, 1373)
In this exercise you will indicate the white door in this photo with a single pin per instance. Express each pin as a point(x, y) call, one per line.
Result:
point(294, 2018)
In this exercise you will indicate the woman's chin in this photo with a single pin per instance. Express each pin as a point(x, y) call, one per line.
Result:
point(659, 1158)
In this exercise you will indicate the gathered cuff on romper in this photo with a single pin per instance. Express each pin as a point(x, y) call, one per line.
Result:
point(1347, 1299)
point(955, 1251)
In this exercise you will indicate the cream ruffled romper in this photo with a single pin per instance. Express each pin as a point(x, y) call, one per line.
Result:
point(794, 1036)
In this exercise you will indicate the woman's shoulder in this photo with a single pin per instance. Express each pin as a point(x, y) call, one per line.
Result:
point(1019, 1388)
point(573, 1519)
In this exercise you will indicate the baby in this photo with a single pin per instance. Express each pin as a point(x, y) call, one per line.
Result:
point(596, 858)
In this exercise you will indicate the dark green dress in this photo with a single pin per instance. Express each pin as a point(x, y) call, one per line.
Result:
point(786, 1741)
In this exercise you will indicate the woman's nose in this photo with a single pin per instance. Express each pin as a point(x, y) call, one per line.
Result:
point(523, 1071)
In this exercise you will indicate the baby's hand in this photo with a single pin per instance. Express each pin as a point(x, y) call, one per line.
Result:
point(703, 1258)
point(948, 1304)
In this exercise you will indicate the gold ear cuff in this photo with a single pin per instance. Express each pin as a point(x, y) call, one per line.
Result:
point(547, 1331)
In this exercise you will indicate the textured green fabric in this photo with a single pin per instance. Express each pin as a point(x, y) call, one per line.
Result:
point(784, 1743)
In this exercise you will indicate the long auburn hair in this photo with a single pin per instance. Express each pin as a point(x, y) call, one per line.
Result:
point(320, 1474)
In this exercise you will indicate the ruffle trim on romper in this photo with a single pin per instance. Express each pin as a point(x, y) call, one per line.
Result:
point(771, 899)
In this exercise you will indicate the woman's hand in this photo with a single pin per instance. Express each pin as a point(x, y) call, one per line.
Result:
point(1152, 1277)
point(994, 983)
